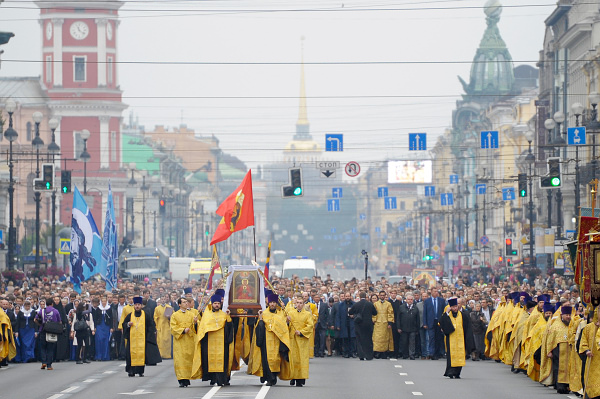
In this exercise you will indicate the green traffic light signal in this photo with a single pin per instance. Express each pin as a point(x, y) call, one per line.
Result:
point(298, 191)
point(555, 181)
point(383, 243)
point(523, 193)
point(48, 185)
point(64, 190)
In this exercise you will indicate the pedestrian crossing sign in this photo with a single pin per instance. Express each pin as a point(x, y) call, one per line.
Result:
point(65, 246)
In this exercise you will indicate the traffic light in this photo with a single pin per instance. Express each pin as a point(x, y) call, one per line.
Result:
point(48, 176)
point(522, 185)
point(500, 259)
point(162, 206)
point(554, 177)
point(426, 255)
point(65, 181)
point(294, 189)
point(508, 246)
point(207, 230)
point(383, 243)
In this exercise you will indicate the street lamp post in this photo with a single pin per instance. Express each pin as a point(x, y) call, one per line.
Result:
point(594, 127)
point(85, 157)
point(559, 118)
point(466, 194)
point(530, 160)
point(37, 144)
point(549, 124)
point(145, 189)
point(577, 109)
point(132, 191)
point(53, 149)
point(11, 135)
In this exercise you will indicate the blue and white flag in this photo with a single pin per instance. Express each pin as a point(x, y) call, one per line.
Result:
point(110, 248)
point(86, 243)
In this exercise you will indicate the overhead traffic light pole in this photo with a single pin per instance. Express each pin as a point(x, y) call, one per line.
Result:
point(294, 189)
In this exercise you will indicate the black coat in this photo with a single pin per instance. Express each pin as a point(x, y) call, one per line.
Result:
point(108, 318)
point(448, 328)
point(323, 316)
point(364, 311)
point(409, 320)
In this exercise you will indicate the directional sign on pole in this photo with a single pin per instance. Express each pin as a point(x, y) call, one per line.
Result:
point(327, 173)
point(453, 179)
point(334, 142)
point(333, 205)
point(336, 192)
point(417, 141)
point(390, 203)
point(481, 188)
point(362, 216)
point(576, 135)
point(409, 224)
point(382, 192)
point(489, 139)
point(447, 199)
point(508, 194)
point(430, 191)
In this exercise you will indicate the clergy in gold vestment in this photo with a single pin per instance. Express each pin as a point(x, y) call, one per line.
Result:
point(383, 338)
point(511, 323)
point(301, 327)
point(241, 346)
point(312, 308)
point(532, 320)
point(492, 334)
point(554, 368)
point(183, 328)
point(535, 342)
point(136, 331)
point(162, 315)
point(590, 348)
point(578, 322)
point(8, 349)
point(271, 343)
point(457, 331)
point(518, 335)
point(213, 353)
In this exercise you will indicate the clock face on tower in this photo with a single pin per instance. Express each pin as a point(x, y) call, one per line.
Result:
point(48, 30)
point(79, 30)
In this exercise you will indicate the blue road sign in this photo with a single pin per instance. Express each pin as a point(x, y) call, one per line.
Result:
point(1, 236)
point(400, 228)
point(333, 230)
point(336, 192)
point(576, 135)
point(362, 216)
point(334, 142)
point(430, 191)
point(508, 194)
point(426, 242)
point(417, 141)
point(489, 139)
point(390, 203)
point(484, 240)
point(481, 188)
point(377, 229)
point(333, 205)
point(409, 224)
point(382, 192)
point(453, 179)
point(354, 230)
point(447, 199)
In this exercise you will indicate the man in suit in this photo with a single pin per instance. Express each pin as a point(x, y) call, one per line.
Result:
point(150, 303)
point(321, 325)
point(433, 308)
point(396, 335)
point(408, 324)
point(363, 312)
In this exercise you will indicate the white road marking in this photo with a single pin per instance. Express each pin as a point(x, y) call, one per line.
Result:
point(409, 383)
point(109, 372)
point(417, 393)
point(56, 396)
point(398, 366)
point(137, 392)
point(263, 392)
point(403, 373)
point(90, 380)
point(211, 393)
point(70, 389)
point(393, 360)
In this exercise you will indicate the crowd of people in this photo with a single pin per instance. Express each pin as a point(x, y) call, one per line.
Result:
point(535, 324)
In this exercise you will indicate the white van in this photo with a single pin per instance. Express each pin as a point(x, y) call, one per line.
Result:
point(300, 266)
point(179, 268)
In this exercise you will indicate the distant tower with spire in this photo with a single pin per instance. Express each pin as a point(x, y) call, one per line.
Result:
point(302, 148)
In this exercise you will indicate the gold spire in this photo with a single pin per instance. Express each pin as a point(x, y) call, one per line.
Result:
point(303, 113)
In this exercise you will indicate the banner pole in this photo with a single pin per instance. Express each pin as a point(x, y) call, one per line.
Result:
point(254, 231)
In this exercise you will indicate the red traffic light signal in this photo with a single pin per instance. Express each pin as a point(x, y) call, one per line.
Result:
point(499, 258)
point(508, 241)
point(161, 202)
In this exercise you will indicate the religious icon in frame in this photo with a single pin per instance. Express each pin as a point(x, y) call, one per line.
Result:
point(244, 290)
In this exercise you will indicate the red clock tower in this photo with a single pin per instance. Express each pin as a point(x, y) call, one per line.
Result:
point(79, 76)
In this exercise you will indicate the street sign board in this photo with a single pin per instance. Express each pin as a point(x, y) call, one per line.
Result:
point(334, 142)
point(576, 135)
point(417, 141)
point(362, 216)
point(328, 164)
point(430, 191)
point(333, 205)
point(447, 199)
point(409, 224)
point(481, 188)
point(327, 173)
point(382, 192)
point(484, 240)
point(508, 193)
point(453, 179)
point(390, 203)
point(336, 192)
point(65, 246)
point(489, 139)
point(352, 169)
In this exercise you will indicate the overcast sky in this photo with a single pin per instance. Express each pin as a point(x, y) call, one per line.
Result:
point(350, 91)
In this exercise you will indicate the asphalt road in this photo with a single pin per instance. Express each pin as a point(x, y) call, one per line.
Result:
point(330, 378)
